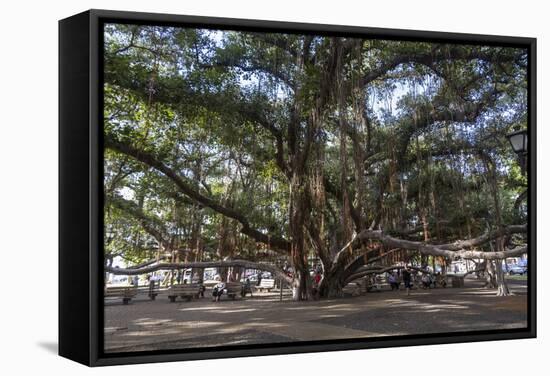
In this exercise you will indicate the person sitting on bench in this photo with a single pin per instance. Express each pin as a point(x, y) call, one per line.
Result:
point(218, 290)
point(426, 281)
point(201, 288)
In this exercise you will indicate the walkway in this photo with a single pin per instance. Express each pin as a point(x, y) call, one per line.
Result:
point(155, 325)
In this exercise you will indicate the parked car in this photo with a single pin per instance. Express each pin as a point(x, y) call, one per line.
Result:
point(517, 269)
point(251, 278)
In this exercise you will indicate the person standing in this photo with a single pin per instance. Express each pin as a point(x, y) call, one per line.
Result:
point(151, 280)
point(392, 279)
point(315, 287)
point(407, 279)
point(247, 288)
point(317, 278)
point(201, 288)
point(259, 280)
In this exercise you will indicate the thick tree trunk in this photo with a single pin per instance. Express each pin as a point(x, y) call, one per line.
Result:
point(301, 286)
point(332, 283)
point(298, 211)
point(331, 287)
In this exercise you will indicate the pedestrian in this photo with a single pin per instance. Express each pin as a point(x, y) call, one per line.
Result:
point(247, 289)
point(259, 278)
point(394, 284)
point(315, 285)
point(151, 286)
point(407, 279)
point(201, 288)
point(317, 278)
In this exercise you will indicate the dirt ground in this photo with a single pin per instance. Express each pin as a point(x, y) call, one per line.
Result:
point(160, 325)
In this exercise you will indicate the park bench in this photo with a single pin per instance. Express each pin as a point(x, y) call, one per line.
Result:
point(377, 285)
point(266, 284)
point(124, 292)
point(185, 291)
point(457, 281)
point(232, 289)
point(246, 289)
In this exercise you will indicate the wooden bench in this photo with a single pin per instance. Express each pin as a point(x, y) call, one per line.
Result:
point(233, 289)
point(246, 289)
point(457, 281)
point(124, 292)
point(185, 291)
point(266, 284)
point(377, 284)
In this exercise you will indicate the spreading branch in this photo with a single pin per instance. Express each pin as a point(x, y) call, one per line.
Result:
point(278, 273)
point(378, 269)
point(151, 225)
point(428, 59)
point(452, 251)
point(279, 244)
point(456, 250)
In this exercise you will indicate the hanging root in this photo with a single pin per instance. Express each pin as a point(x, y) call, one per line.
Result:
point(504, 291)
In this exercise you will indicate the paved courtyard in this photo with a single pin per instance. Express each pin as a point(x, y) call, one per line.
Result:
point(160, 325)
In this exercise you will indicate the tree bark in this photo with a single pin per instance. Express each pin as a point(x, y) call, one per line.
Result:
point(298, 209)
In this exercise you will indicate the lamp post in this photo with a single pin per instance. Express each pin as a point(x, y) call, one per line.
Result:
point(518, 140)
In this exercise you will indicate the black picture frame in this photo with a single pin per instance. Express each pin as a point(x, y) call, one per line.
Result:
point(80, 188)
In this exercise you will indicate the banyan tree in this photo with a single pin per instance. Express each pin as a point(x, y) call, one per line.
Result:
point(249, 149)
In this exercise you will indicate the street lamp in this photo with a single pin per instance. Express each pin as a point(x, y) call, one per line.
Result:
point(518, 140)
